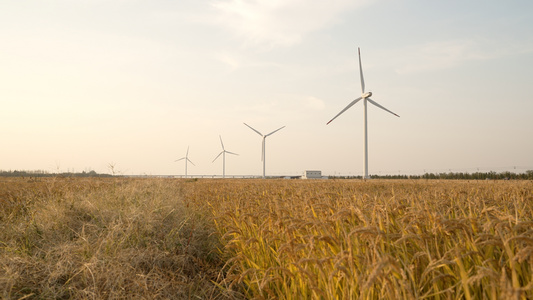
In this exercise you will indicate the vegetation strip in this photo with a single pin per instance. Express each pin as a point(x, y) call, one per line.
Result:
point(107, 238)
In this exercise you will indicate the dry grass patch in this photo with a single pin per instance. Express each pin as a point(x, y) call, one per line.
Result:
point(104, 239)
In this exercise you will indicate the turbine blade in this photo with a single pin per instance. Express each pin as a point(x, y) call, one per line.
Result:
point(348, 106)
point(221, 142)
point(361, 72)
point(232, 153)
point(191, 162)
point(217, 156)
point(187, 155)
point(179, 159)
point(376, 104)
point(253, 129)
point(275, 131)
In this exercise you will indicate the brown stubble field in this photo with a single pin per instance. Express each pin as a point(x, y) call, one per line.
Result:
point(265, 239)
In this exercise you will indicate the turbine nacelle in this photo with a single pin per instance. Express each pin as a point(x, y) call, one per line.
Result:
point(366, 95)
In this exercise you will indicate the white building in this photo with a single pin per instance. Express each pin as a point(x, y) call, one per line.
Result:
point(312, 175)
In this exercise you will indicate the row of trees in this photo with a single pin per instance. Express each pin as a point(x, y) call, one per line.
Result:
point(41, 173)
point(528, 175)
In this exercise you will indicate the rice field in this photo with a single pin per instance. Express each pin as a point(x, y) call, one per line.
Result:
point(266, 239)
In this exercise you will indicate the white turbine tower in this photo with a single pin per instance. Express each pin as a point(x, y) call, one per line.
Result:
point(263, 155)
point(186, 158)
point(223, 153)
point(365, 97)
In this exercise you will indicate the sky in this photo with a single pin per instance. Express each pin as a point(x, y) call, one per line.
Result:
point(87, 84)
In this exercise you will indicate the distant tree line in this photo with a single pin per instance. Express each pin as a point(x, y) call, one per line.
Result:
point(41, 173)
point(528, 175)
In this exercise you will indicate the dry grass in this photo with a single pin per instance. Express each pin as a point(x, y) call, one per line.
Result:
point(265, 239)
point(103, 239)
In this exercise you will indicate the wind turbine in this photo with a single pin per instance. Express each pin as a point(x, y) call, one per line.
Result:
point(264, 141)
point(366, 98)
point(186, 158)
point(223, 153)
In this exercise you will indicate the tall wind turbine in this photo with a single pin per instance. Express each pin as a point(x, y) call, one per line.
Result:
point(264, 142)
point(186, 158)
point(223, 153)
point(366, 98)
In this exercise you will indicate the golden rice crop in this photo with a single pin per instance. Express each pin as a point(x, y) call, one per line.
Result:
point(373, 240)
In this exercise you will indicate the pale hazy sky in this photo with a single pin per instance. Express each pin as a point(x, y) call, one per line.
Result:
point(85, 83)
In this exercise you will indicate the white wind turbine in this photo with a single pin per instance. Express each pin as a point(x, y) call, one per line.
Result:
point(264, 142)
point(223, 153)
point(186, 158)
point(365, 97)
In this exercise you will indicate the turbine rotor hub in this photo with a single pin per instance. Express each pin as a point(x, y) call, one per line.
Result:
point(366, 95)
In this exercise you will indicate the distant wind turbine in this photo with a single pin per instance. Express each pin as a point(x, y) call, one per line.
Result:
point(264, 142)
point(223, 153)
point(365, 97)
point(186, 158)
